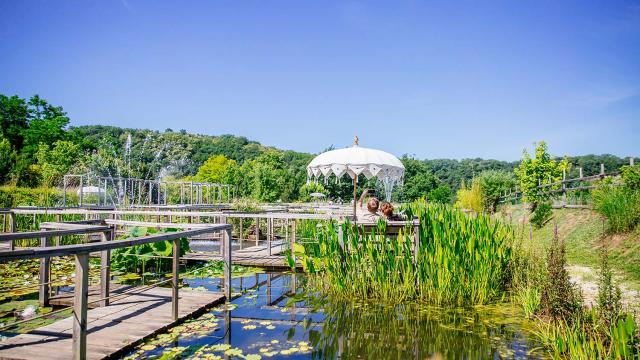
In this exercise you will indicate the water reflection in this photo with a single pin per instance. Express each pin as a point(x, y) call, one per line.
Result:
point(275, 317)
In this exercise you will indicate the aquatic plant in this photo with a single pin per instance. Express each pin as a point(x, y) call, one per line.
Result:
point(461, 259)
point(141, 258)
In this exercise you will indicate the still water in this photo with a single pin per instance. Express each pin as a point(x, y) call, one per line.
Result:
point(275, 317)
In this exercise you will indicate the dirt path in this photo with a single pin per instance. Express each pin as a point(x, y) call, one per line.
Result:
point(587, 279)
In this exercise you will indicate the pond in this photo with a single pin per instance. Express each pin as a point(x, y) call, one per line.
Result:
point(277, 317)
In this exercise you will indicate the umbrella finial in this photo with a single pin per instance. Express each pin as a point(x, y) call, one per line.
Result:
point(355, 141)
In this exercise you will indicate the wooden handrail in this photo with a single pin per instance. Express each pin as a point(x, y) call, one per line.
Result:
point(52, 233)
point(65, 250)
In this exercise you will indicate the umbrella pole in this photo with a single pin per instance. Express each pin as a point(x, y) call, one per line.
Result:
point(355, 182)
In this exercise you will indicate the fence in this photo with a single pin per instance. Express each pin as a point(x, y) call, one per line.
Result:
point(563, 188)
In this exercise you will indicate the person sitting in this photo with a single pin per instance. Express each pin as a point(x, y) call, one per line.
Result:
point(371, 215)
point(387, 212)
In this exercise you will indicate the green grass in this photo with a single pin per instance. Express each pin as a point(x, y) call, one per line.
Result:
point(584, 235)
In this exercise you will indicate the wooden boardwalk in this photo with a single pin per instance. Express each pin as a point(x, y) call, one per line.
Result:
point(111, 330)
point(250, 256)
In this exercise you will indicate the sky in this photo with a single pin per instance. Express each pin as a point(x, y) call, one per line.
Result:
point(432, 79)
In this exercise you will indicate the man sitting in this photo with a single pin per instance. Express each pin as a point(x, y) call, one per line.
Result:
point(371, 215)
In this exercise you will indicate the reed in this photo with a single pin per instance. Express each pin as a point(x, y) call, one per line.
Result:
point(461, 259)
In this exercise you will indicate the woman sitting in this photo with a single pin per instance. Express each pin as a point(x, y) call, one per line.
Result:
point(387, 212)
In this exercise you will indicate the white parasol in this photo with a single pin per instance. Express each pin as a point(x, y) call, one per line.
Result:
point(355, 161)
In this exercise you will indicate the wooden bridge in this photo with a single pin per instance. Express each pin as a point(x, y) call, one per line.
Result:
point(105, 320)
point(126, 316)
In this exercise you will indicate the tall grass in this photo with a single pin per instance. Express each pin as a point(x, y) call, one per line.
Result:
point(461, 260)
point(619, 204)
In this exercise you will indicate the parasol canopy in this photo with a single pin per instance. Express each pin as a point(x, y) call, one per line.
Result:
point(355, 161)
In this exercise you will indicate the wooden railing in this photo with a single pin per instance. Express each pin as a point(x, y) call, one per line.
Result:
point(81, 253)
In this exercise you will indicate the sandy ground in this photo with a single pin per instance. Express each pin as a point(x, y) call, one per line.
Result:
point(587, 279)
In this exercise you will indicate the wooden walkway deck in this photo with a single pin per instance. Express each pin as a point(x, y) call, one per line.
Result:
point(250, 256)
point(112, 329)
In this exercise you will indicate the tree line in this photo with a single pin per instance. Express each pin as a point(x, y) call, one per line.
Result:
point(38, 146)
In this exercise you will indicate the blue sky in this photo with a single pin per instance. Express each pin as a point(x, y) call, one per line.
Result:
point(433, 79)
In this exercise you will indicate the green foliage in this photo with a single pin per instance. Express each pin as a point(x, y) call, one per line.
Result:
point(219, 169)
point(440, 195)
point(462, 260)
point(493, 183)
point(619, 204)
point(631, 176)
point(7, 158)
point(470, 199)
point(418, 180)
point(146, 257)
point(541, 215)
point(538, 171)
point(309, 188)
point(560, 300)
point(13, 196)
point(56, 161)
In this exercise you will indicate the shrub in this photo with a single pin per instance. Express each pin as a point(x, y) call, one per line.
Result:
point(560, 299)
point(13, 196)
point(631, 176)
point(620, 205)
point(440, 195)
point(471, 198)
point(493, 184)
point(609, 294)
point(541, 215)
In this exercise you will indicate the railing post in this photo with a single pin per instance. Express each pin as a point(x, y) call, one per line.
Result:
point(81, 190)
point(293, 240)
point(105, 269)
point(223, 220)
point(226, 258)
point(45, 265)
point(12, 228)
point(416, 242)
point(174, 279)
point(269, 234)
point(241, 231)
point(80, 307)
point(257, 230)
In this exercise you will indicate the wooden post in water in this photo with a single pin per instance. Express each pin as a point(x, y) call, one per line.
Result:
point(174, 279)
point(80, 307)
point(226, 258)
point(105, 271)
point(45, 267)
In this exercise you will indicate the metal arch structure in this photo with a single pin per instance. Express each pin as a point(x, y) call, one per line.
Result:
point(134, 192)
